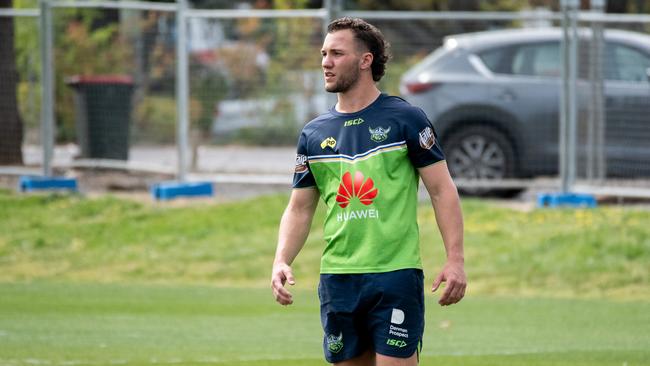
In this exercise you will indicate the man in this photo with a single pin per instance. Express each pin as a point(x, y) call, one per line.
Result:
point(364, 158)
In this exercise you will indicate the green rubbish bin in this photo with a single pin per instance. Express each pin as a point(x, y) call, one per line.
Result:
point(103, 115)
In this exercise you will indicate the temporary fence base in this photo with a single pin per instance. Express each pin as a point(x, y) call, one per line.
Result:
point(170, 190)
point(554, 200)
point(29, 183)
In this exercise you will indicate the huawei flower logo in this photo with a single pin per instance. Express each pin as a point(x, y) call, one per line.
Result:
point(365, 191)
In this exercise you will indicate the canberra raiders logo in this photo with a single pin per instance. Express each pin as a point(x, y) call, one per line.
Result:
point(335, 343)
point(378, 134)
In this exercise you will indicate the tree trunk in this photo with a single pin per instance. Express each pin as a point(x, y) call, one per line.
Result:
point(11, 126)
point(618, 6)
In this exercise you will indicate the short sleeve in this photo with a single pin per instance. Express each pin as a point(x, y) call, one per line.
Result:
point(302, 176)
point(421, 140)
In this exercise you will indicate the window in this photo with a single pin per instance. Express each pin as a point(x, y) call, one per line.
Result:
point(541, 59)
point(498, 60)
point(537, 60)
point(626, 64)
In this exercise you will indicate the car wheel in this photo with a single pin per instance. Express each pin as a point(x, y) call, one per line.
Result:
point(481, 153)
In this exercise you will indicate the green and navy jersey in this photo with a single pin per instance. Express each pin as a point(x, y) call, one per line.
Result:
point(364, 166)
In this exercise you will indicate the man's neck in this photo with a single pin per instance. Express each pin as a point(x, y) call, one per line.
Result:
point(357, 98)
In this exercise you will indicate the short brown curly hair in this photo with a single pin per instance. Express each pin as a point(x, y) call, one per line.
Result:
point(368, 35)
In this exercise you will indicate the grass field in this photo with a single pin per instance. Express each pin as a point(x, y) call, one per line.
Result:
point(110, 281)
point(43, 323)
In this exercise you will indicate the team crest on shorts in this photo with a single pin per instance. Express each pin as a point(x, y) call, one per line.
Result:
point(378, 134)
point(335, 342)
point(427, 139)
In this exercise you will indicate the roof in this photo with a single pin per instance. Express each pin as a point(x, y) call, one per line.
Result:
point(493, 38)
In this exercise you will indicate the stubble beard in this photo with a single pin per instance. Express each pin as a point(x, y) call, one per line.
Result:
point(345, 81)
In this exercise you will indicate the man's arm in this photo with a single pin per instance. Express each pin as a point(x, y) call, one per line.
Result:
point(446, 204)
point(294, 229)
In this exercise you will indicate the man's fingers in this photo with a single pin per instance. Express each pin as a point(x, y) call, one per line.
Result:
point(437, 282)
point(454, 292)
point(444, 298)
point(454, 275)
point(458, 292)
point(277, 282)
point(282, 295)
point(284, 300)
point(449, 296)
point(289, 276)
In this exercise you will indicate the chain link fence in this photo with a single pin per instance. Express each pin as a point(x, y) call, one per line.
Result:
point(253, 79)
point(115, 84)
point(613, 70)
point(255, 82)
point(20, 95)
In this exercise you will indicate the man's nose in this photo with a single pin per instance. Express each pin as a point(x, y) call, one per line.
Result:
point(326, 62)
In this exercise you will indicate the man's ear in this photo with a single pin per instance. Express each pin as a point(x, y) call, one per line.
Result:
point(366, 61)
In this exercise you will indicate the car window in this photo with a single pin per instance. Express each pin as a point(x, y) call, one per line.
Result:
point(498, 60)
point(537, 60)
point(541, 59)
point(626, 63)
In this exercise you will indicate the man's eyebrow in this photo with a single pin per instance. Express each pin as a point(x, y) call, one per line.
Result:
point(332, 50)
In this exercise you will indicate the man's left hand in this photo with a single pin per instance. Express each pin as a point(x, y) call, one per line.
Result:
point(453, 273)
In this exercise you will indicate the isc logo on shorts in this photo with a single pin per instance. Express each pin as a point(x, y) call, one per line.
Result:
point(396, 343)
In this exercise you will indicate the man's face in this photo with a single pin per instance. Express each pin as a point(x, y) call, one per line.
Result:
point(341, 61)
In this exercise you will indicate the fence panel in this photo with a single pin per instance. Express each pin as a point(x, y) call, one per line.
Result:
point(255, 79)
point(114, 72)
point(496, 114)
point(614, 103)
point(20, 29)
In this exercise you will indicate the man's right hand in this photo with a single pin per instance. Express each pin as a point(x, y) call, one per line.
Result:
point(282, 274)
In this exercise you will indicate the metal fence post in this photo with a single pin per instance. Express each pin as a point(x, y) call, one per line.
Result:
point(564, 92)
point(182, 89)
point(596, 157)
point(568, 99)
point(332, 10)
point(573, 97)
point(47, 86)
point(327, 5)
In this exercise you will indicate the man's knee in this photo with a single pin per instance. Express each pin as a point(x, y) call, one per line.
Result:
point(365, 359)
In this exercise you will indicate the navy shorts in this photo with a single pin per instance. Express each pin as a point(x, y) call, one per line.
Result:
point(383, 312)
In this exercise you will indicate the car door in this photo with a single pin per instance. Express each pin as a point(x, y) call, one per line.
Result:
point(627, 110)
point(526, 84)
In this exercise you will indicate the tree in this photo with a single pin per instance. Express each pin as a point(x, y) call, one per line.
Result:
point(11, 126)
point(88, 42)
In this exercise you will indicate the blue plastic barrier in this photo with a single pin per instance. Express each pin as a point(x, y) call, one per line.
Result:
point(29, 183)
point(566, 200)
point(171, 190)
